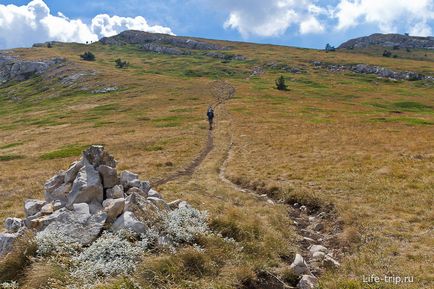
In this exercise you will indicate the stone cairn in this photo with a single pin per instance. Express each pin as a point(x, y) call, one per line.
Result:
point(86, 199)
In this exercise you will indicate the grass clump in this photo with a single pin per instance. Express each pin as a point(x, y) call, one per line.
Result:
point(5, 158)
point(11, 145)
point(65, 152)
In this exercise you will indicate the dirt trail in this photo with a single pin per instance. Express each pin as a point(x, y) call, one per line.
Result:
point(314, 227)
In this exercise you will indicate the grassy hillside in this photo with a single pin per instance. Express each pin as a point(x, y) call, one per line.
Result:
point(354, 142)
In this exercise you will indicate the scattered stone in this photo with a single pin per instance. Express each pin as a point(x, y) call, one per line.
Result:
point(296, 205)
point(303, 209)
point(32, 207)
point(105, 90)
point(13, 225)
point(128, 221)
point(161, 205)
point(115, 193)
point(109, 176)
point(307, 282)
point(299, 266)
point(318, 248)
point(318, 255)
point(329, 262)
point(318, 227)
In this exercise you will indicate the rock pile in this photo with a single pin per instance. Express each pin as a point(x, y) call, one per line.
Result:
point(14, 69)
point(390, 40)
point(87, 198)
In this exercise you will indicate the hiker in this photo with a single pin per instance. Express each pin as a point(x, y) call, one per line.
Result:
point(210, 115)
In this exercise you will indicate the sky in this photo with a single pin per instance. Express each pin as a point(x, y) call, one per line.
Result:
point(302, 23)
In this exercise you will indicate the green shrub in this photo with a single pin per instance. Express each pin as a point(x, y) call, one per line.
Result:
point(121, 64)
point(88, 56)
point(280, 83)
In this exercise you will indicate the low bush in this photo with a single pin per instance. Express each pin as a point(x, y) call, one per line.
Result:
point(88, 56)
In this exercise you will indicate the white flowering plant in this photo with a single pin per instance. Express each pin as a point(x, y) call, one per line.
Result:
point(56, 243)
point(110, 255)
point(184, 224)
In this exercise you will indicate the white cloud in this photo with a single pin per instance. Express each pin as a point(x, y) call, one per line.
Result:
point(311, 25)
point(21, 26)
point(272, 17)
point(388, 15)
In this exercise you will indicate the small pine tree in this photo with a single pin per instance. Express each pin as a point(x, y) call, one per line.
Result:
point(280, 83)
point(88, 56)
point(387, 53)
point(121, 64)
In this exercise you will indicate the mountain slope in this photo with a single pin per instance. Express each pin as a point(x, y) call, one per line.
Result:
point(355, 146)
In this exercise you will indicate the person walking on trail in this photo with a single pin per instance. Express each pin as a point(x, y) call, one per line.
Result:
point(210, 115)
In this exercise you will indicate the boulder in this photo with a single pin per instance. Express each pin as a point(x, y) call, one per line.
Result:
point(146, 212)
point(6, 242)
point(79, 226)
point(129, 180)
point(307, 282)
point(109, 176)
point(317, 248)
point(115, 193)
point(319, 255)
point(134, 202)
point(13, 225)
point(329, 262)
point(96, 156)
point(73, 170)
point(114, 208)
point(87, 187)
point(60, 193)
point(32, 207)
point(299, 266)
point(128, 221)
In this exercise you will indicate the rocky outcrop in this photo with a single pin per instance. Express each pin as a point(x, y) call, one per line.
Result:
point(14, 69)
point(390, 40)
point(227, 57)
point(163, 49)
point(86, 199)
point(373, 69)
point(142, 38)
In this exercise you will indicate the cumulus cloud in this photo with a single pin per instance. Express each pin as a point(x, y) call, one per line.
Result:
point(387, 15)
point(21, 26)
point(272, 17)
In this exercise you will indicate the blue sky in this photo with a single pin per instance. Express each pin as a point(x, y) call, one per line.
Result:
point(303, 23)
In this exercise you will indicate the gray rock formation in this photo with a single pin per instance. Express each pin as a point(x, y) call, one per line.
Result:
point(163, 49)
point(375, 70)
point(88, 212)
point(141, 38)
point(389, 40)
point(13, 69)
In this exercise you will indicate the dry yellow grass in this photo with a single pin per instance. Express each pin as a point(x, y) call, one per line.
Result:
point(334, 137)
